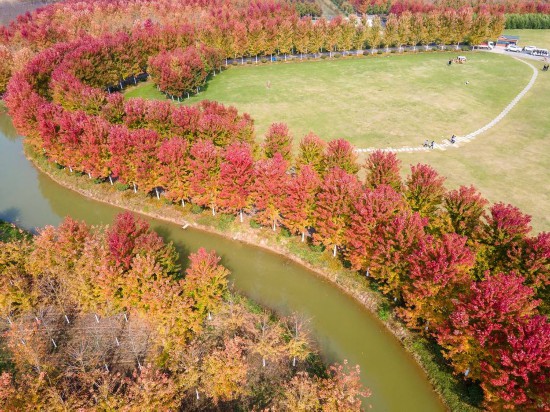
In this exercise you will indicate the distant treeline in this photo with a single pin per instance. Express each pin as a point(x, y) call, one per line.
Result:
point(528, 21)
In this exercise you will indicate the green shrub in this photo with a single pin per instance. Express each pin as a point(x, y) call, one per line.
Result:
point(317, 248)
point(254, 224)
point(249, 62)
point(234, 63)
point(379, 52)
point(97, 180)
point(224, 221)
point(196, 209)
point(384, 311)
point(336, 55)
point(285, 232)
point(263, 60)
point(58, 166)
point(121, 187)
point(324, 56)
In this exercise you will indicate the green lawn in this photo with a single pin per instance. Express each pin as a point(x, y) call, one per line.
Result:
point(539, 38)
point(371, 101)
point(510, 162)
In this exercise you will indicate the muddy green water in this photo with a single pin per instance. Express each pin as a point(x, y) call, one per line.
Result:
point(343, 329)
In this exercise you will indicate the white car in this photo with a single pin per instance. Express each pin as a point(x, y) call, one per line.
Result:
point(529, 48)
point(513, 48)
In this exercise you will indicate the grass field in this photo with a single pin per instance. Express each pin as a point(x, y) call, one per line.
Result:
point(539, 38)
point(510, 162)
point(371, 101)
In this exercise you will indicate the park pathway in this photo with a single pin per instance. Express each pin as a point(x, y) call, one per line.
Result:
point(445, 144)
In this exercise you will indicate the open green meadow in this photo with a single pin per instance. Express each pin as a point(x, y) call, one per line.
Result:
point(375, 101)
point(511, 161)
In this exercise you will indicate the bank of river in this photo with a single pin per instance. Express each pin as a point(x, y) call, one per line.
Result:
point(342, 327)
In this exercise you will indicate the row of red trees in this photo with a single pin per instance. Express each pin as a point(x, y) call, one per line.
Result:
point(180, 72)
point(259, 28)
point(103, 318)
point(438, 253)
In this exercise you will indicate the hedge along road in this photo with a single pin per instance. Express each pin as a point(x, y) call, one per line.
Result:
point(343, 329)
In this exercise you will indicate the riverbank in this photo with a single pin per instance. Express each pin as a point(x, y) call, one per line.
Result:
point(455, 394)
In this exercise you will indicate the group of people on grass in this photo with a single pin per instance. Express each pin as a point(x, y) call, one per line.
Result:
point(431, 144)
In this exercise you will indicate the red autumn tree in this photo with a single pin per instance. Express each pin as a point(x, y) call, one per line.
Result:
point(278, 140)
point(340, 153)
point(439, 271)
point(174, 169)
point(333, 207)
point(495, 336)
point(383, 169)
point(424, 190)
point(268, 190)
point(312, 153)
point(395, 241)
point(205, 180)
point(465, 208)
point(299, 200)
point(503, 236)
point(373, 210)
point(236, 178)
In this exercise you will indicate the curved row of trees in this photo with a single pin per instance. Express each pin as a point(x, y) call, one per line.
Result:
point(259, 28)
point(97, 318)
point(475, 281)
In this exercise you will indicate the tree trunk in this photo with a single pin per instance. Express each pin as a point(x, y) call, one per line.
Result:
point(241, 215)
point(182, 203)
point(111, 180)
point(197, 393)
point(213, 211)
point(256, 59)
point(303, 236)
point(294, 361)
point(285, 57)
point(242, 60)
point(274, 226)
point(334, 251)
point(226, 62)
point(135, 188)
point(89, 175)
point(157, 192)
point(71, 169)
point(263, 362)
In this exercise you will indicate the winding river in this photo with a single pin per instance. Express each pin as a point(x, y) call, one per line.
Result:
point(343, 329)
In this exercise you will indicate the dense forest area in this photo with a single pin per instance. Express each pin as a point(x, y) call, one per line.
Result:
point(102, 318)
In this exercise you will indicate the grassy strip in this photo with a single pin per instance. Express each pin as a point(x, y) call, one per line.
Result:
point(455, 395)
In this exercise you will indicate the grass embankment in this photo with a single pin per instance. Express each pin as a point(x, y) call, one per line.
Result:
point(374, 101)
point(456, 395)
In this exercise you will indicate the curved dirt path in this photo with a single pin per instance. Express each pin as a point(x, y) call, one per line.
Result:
point(445, 144)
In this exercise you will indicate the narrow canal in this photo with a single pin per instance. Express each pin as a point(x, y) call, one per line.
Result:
point(343, 329)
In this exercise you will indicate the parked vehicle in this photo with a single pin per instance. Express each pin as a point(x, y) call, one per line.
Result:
point(513, 48)
point(539, 52)
point(529, 48)
point(487, 45)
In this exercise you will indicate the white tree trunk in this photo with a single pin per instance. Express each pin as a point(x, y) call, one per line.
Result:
point(213, 211)
point(334, 251)
point(135, 188)
point(241, 215)
point(303, 236)
point(157, 192)
point(182, 203)
point(111, 180)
